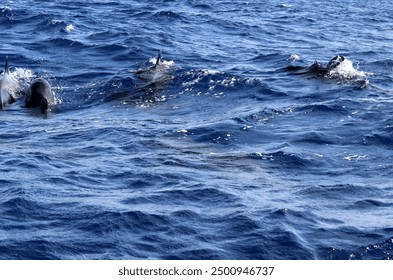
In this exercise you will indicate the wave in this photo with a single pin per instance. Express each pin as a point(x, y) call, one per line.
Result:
point(168, 15)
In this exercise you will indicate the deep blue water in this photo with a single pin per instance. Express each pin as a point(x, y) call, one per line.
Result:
point(222, 154)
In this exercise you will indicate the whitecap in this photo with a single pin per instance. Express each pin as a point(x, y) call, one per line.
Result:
point(355, 157)
point(6, 9)
point(167, 63)
point(294, 57)
point(285, 5)
point(22, 73)
point(345, 70)
point(69, 28)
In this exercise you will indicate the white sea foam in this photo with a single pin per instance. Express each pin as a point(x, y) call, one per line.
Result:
point(345, 70)
point(355, 157)
point(285, 5)
point(6, 9)
point(294, 57)
point(199, 75)
point(69, 28)
point(22, 74)
point(167, 63)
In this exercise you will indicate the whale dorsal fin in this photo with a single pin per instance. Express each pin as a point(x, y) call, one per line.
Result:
point(158, 58)
point(6, 70)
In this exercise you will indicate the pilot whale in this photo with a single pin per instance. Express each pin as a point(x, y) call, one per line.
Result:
point(40, 94)
point(150, 70)
point(316, 69)
point(10, 89)
point(335, 62)
point(156, 77)
point(152, 81)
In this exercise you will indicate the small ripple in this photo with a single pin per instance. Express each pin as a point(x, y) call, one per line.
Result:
point(168, 15)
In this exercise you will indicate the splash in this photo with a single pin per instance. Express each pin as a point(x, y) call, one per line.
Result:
point(166, 63)
point(285, 5)
point(198, 76)
point(294, 57)
point(23, 74)
point(6, 9)
point(69, 28)
point(345, 70)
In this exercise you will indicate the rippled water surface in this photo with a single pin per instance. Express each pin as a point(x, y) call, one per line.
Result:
point(221, 152)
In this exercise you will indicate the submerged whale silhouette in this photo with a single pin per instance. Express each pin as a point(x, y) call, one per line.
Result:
point(155, 78)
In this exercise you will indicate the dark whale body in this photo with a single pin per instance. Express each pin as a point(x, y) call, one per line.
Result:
point(40, 94)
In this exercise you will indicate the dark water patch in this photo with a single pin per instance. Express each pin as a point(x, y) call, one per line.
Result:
point(273, 63)
point(264, 93)
point(63, 43)
point(202, 6)
point(291, 215)
point(185, 215)
point(131, 221)
point(211, 134)
point(14, 164)
point(287, 160)
point(385, 63)
point(268, 114)
point(316, 138)
point(341, 192)
point(168, 15)
point(107, 36)
point(334, 108)
point(276, 244)
point(242, 225)
point(379, 139)
point(6, 182)
point(38, 250)
point(377, 251)
point(22, 208)
point(197, 254)
point(116, 49)
point(370, 203)
point(289, 243)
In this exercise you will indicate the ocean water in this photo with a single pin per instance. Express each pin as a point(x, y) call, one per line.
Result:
point(221, 152)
